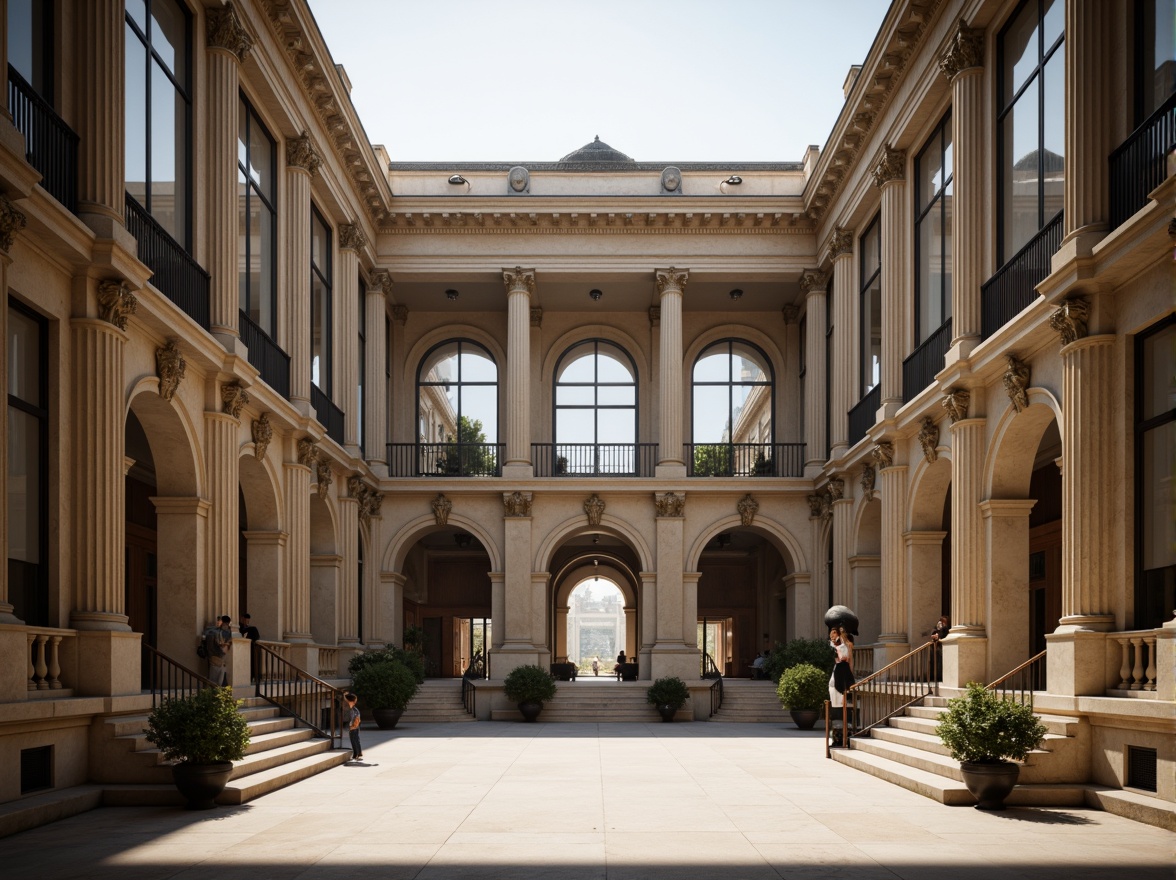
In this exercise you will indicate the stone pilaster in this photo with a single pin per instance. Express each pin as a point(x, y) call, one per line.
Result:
point(1090, 53)
point(99, 113)
point(924, 572)
point(790, 431)
point(371, 623)
point(301, 163)
point(843, 382)
point(963, 65)
point(1006, 548)
point(890, 176)
point(375, 429)
point(267, 587)
point(894, 578)
point(351, 241)
point(822, 575)
point(674, 652)
point(965, 649)
point(843, 548)
point(296, 613)
point(348, 602)
point(222, 443)
point(6, 609)
point(520, 285)
point(671, 285)
point(648, 616)
point(812, 285)
point(520, 639)
point(391, 608)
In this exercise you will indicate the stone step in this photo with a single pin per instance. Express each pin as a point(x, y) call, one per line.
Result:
point(243, 789)
point(272, 739)
point(278, 756)
point(41, 809)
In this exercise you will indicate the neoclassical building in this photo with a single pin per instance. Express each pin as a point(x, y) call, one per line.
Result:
point(254, 363)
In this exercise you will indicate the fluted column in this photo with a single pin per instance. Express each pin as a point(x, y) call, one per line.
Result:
point(843, 382)
point(791, 431)
point(347, 609)
point(671, 284)
point(302, 162)
point(894, 582)
point(962, 64)
point(375, 428)
point(222, 441)
point(520, 284)
point(347, 305)
point(890, 175)
point(1090, 53)
point(99, 111)
point(296, 613)
point(812, 286)
point(228, 45)
point(968, 631)
point(842, 543)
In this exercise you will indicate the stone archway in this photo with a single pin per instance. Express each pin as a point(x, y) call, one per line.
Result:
point(325, 573)
point(263, 546)
point(865, 568)
point(927, 543)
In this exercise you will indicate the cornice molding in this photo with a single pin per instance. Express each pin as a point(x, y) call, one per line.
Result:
point(596, 223)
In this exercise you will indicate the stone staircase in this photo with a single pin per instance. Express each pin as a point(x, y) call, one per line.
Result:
point(750, 702)
point(597, 702)
point(907, 752)
point(437, 702)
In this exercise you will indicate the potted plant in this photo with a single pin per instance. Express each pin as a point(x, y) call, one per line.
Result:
point(413, 660)
point(205, 734)
point(986, 734)
point(802, 691)
point(529, 686)
point(668, 695)
point(386, 688)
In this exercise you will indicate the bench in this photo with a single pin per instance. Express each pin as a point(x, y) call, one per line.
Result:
point(564, 671)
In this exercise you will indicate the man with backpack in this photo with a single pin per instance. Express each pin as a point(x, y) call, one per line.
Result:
point(217, 642)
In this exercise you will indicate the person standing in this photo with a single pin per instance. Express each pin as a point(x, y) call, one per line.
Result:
point(596, 666)
point(353, 721)
point(842, 676)
point(938, 634)
point(620, 663)
point(218, 641)
point(249, 631)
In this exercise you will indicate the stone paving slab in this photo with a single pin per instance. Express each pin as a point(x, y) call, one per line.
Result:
point(609, 801)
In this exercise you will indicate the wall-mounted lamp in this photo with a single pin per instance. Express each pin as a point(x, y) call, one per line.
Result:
point(451, 294)
point(733, 180)
point(458, 180)
point(595, 294)
point(735, 294)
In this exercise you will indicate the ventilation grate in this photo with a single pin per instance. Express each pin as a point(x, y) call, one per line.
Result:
point(36, 769)
point(1141, 768)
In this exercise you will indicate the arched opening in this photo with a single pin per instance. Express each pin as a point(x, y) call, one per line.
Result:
point(594, 633)
point(457, 411)
point(733, 412)
point(595, 416)
point(865, 568)
point(928, 549)
point(325, 574)
point(259, 565)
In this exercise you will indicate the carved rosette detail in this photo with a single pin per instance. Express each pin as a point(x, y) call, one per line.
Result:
point(670, 505)
point(324, 477)
point(841, 242)
point(351, 237)
point(883, 454)
point(1070, 319)
point(836, 489)
point(536, 317)
point(890, 166)
point(400, 314)
point(170, 366)
point(654, 315)
point(816, 503)
point(226, 32)
point(671, 280)
point(955, 402)
point(307, 453)
point(868, 479)
point(116, 303)
point(12, 221)
point(965, 50)
point(1016, 383)
point(594, 507)
point(790, 312)
point(813, 279)
point(263, 433)
point(929, 439)
point(516, 504)
point(383, 280)
point(234, 397)
point(519, 280)
point(300, 153)
point(441, 507)
point(748, 507)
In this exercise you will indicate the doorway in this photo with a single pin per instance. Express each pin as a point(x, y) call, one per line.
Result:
point(715, 638)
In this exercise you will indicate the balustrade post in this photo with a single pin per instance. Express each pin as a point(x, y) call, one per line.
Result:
point(54, 663)
point(1124, 665)
point(1149, 683)
point(1137, 669)
point(32, 672)
point(39, 662)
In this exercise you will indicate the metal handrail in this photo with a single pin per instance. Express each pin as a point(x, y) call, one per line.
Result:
point(167, 679)
point(1140, 163)
point(1013, 287)
point(725, 459)
point(468, 695)
point(51, 146)
point(297, 693)
point(716, 695)
point(882, 695)
point(864, 414)
point(710, 669)
point(1020, 683)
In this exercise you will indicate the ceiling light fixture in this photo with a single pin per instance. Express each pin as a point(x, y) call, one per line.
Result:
point(735, 294)
point(595, 294)
point(451, 294)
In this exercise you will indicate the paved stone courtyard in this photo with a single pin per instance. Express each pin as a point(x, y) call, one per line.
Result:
point(571, 801)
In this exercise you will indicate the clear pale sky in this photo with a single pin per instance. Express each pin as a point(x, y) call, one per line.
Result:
point(660, 80)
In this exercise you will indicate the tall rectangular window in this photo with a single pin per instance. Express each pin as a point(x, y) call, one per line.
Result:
point(933, 195)
point(1031, 122)
point(1155, 474)
point(158, 112)
point(870, 324)
point(28, 433)
point(361, 414)
point(1155, 54)
point(257, 220)
point(829, 367)
point(30, 44)
point(320, 302)
point(387, 381)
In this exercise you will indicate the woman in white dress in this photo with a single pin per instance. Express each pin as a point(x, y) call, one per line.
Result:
point(843, 649)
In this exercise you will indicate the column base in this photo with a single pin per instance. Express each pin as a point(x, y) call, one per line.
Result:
point(670, 471)
point(961, 350)
point(672, 660)
point(965, 659)
point(109, 663)
point(518, 470)
point(1076, 662)
point(510, 656)
point(231, 342)
point(1076, 623)
point(889, 648)
point(99, 621)
point(1166, 660)
point(6, 615)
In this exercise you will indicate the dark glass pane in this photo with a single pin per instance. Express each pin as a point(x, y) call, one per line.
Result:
point(871, 328)
point(24, 486)
point(1053, 21)
point(748, 364)
point(1158, 26)
point(135, 91)
point(29, 46)
point(242, 135)
point(24, 358)
point(168, 37)
point(948, 153)
point(930, 274)
point(320, 242)
point(265, 259)
point(479, 403)
point(929, 172)
point(753, 420)
point(261, 158)
point(1019, 176)
point(616, 395)
point(1159, 498)
point(1020, 51)
point(1159, 374)
point(871, 251)
point(168, 146)
point(712, 416)
point(319, 300)
point(441, 365)
point(243, 256)
point(137, 10)
point(575, 395)
point(1054, 129)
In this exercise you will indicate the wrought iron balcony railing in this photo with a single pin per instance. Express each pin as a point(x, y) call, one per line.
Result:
point(1013, 288)
point(594, 459)
point(863, 415)
point(266, 356)
point(329, 415)
point(177, 276)
point(919, 369)
point(744, 459)
point(51, 146)
point(445, 459)
point(1141, 163)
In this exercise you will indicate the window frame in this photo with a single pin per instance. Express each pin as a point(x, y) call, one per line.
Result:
point(596, 384)
point(361, 411)
point(460, 342)
point(42, 79)
point(730, 383)
point(937, 202)
point(864, 284)
point(251, 190)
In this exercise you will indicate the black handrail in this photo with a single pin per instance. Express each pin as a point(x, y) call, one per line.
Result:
point(297, 693)
point(167, 679)
point(864, 414)
point(1140, 163)
point(919, 369)
point(716, 695)
point(744, 459)
point(445, 459)
point(329, 415)
point(468, 695)
point(176, 275)
point(266, 356)
point(1014, 286)
point(710, 669)
point(594, 459)
point(51, 146)
point(882, 695)
point(1019, 684)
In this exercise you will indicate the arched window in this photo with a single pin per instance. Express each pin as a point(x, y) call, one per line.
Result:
point(457, 408)
point(733, 411)
point(595, 410)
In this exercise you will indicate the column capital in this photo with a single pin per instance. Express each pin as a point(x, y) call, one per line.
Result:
point(382, 281)
point(116, 303)
point(519, 280)
point(225, 31)
point(890, 166)
point(351, 237)
point(300, 153)
point(956, 402)
point(670, 280)
point(1069, 321)
point(813, 281)
point(12, 221)
point(964, 51)
point(841, 243)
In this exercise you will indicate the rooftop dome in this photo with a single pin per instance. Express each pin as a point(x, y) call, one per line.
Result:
point(597, 153)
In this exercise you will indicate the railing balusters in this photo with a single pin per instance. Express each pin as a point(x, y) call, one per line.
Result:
point(177, 276)
point(329, 415)
point(1013, 288)
point(1140, 163)
point(166, 679)
point(266, 356)
point(299, 694)
point(872, 700)
point(864, 414)
point(1020, 683)
point(920, 367)
point(51, 146)
point(744, 459)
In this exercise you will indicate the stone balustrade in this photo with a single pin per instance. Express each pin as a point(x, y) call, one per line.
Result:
point(1136, 655)
point(45, 659)
point(328, 661)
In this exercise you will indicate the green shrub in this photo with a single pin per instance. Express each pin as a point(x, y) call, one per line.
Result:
point(387, 685)
point(205, 728)
point(815, 652)
point(803, 687)
point(982, 728)
point(529, 684)
point(670, 691)
point(414, 661)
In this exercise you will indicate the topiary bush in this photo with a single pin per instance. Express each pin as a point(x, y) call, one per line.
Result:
point(669, 691)
point(205, 728)
point(410, 659)
point(529, 684)
point(803, 687)
point(982, 728)
point(387, 685)
point(815, 652)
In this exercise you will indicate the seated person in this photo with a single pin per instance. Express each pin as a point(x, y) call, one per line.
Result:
point(758, 664)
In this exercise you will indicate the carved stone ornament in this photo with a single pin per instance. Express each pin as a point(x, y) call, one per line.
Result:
point(670, 505)
point(956, 403)
point(324, 476)
point(170, 367)
point(536, 317)
point(868, 480)
point(836, 490)
point(519, 280)
point(400, 314)
point(225, 32)
point(891, 165)
point(594, 507)
point(790, 313)
point(518, 179)
point(827, 504)
point(307, 453)
point(1016, 383)
point(929, 439)
point(12, 221)
point(654, 315)
point(116, 303)
point(816, 503)
point(351, 237)
point(671, 180)
point(748, 507)
point(375, 501)
point(840, 243)
point(300, 153)
point(516, 504)
point(441, 507)
point(884, 454)
point(965, 50)
point(234, 398)
point(383, 280)
point(368, 500)
point(263, 432)
point(671, 279)
point(1070, 319)
point(813, 279)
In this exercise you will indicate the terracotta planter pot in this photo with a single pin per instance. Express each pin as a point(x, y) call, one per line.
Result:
point(990, 784)
point(667, 712)
point(201, 783)
point(386, 718)
point(804, 718)
point(530, 710)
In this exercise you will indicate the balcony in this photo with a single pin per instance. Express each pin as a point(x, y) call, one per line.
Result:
point(266, 356)
point(51, 146)
point(445, 459)
point(177, 276)
point(918, 370)
point(1140, 163)
point(1013, 288)
point(329, 415)
point(744, 459)
point(594, 459)
point(863, 415)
